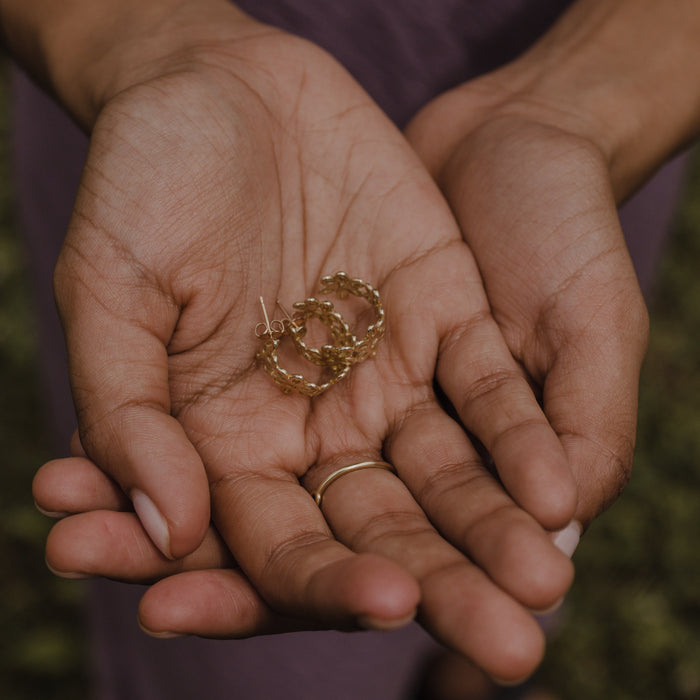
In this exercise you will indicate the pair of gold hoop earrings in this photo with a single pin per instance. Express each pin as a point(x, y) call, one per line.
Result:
point(340, 355)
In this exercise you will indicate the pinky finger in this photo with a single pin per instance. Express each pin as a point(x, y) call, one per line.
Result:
point(75, 485)
point(115, 545)
point(219, 604)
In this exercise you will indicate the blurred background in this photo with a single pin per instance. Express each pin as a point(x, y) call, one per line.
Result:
point(42, 645)
point(631, 625)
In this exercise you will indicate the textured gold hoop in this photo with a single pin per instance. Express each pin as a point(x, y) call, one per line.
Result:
point(287, 382)
point(354, 351)
point(340, 332)
point(338, 356)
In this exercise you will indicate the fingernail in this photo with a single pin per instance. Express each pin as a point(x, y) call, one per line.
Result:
point(153, 522)
point(50, 513)
point(566, 540)
point(67, 574)
point(368, 622)
point(508, 684)
point(551, 609)
point(159, 635)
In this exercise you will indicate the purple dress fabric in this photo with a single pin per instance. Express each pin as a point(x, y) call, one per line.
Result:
point(403, 54)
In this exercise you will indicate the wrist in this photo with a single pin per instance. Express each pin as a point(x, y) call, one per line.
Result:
point(624, 76)
point(85, 51)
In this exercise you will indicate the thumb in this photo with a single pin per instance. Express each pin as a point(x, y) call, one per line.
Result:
point(117, 325)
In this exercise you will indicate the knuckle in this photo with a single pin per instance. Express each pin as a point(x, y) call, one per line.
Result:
point(620, 469)
point(281, 573)
point(387, 533)
point(100, 430)
point(489, 386)
point(459, 333)
point(450, 479)
point(605, 484)
point(447, 574)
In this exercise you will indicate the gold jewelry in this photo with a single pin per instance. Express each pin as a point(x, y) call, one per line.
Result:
point(339, 356)
point(317, 493)
point(341, 285)
point(324, 312)
point(269, 329)
point(355, 351)
point(267, 356)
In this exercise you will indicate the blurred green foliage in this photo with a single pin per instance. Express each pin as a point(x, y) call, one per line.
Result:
point(632, 622)
point(631, 626)
point(41, 641)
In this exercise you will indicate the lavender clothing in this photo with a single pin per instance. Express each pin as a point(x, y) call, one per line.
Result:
point(403, 54)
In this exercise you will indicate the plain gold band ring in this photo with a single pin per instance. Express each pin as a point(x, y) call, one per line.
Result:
point(318, 492)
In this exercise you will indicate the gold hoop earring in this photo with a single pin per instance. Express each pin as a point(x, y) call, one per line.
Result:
point(295, 327)
point(352, 352)
point(339, 356)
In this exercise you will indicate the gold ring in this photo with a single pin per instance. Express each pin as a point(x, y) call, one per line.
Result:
point(317, 493)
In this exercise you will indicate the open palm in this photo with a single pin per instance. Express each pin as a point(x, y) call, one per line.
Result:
point(248, 169)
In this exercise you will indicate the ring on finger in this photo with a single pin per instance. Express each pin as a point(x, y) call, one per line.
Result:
point(317, 493)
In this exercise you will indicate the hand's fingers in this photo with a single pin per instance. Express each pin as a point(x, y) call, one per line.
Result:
point(535, 205)
point(283, 544)
point(115, 545)
point(75, 485)
point(470, 508)
point(117, 324)
point(219, 604)
point(476, 370)
point(496, 403)
point(372, 511)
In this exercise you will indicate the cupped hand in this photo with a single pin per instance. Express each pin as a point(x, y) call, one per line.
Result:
point(206, 593)
point(533, 196)
point(246, 167)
